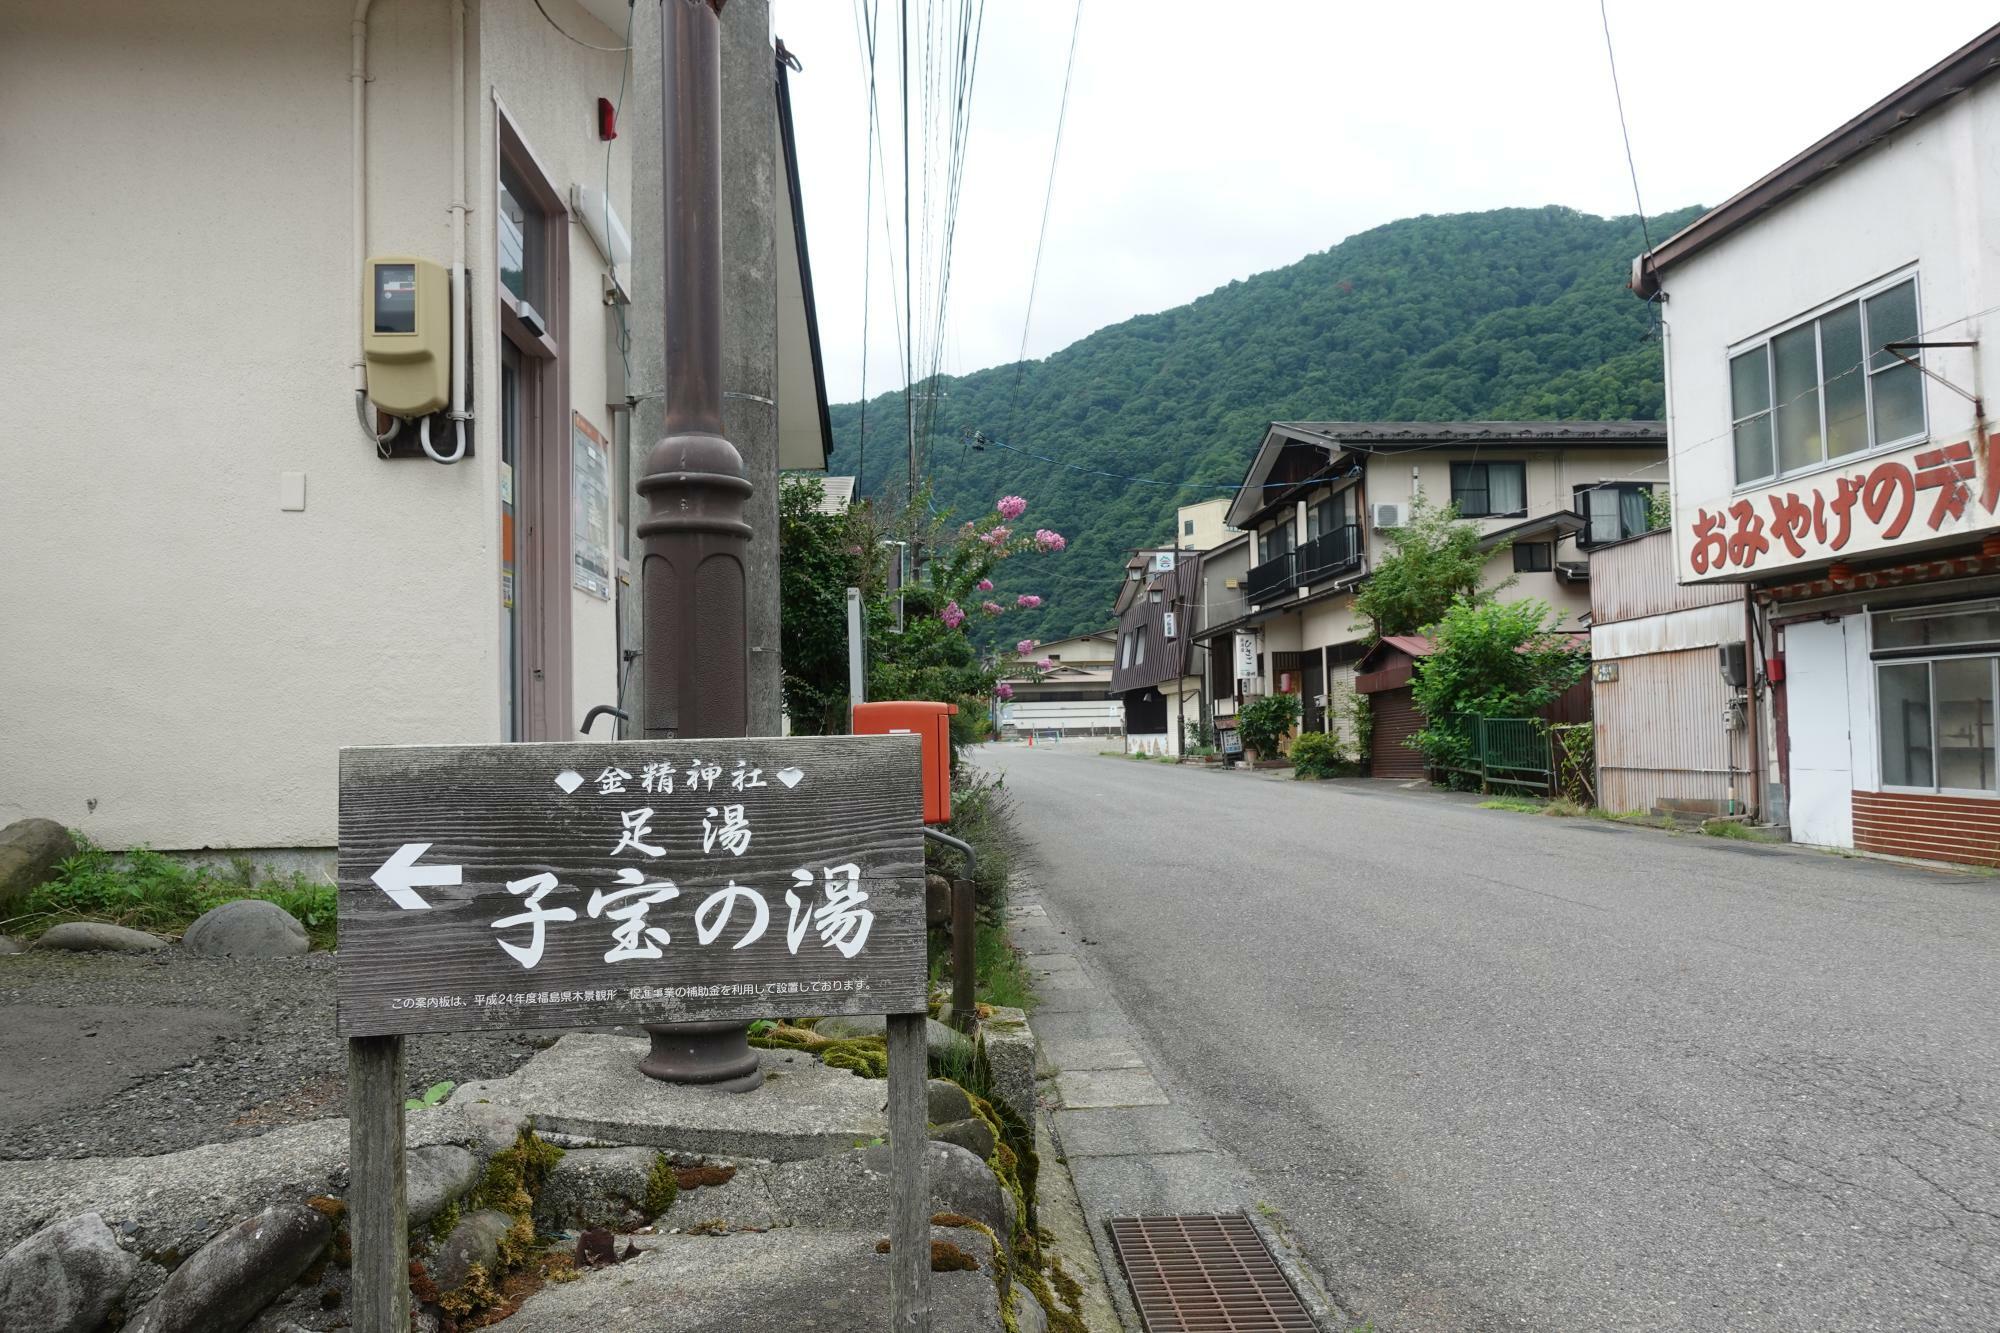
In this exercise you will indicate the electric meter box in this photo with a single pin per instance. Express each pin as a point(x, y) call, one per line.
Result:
point(929, 721)
point(406, 341)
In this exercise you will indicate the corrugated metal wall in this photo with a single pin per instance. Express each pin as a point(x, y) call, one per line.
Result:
point(1660, 733)
point(1636, 578)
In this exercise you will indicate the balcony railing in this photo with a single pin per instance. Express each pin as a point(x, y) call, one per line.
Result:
point(1274, 578)
point(1330, 554)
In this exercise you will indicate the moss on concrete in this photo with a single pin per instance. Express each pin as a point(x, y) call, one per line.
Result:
point(663, 1186)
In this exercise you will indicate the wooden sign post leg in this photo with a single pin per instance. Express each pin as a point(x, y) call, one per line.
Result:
point(377, 1211)
point(910, 1185)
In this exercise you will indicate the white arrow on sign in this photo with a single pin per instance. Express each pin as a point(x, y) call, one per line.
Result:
point(400, 875)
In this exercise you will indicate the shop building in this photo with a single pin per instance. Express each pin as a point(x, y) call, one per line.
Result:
point(1829, 343)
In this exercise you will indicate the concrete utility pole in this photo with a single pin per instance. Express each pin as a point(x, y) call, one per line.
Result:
point(696, 661)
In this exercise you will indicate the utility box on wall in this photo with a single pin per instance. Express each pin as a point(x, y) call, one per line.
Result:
point(929, 721)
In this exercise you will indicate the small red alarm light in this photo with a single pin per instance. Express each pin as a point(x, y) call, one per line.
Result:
point(607, 120)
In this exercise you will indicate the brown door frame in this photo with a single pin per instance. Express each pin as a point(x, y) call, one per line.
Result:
point(542, 470)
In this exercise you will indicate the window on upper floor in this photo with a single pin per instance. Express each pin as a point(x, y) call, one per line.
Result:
point(1187, 527)
point(1139, 656)
point(1277, 541)
point(1124, 651)
point(1827, 386)
point(1534, 557)
point(1615, 510)
point(1490, 490)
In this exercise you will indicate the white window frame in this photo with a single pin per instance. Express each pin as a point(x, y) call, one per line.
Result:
point(1929, 663)
point(1762, 341)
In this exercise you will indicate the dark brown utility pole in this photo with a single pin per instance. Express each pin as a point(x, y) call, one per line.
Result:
point(697, 647)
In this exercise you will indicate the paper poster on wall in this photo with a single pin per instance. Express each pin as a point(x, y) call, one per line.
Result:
point(590, 508)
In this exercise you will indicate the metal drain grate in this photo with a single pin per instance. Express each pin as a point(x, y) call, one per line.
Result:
point(1206, 1274)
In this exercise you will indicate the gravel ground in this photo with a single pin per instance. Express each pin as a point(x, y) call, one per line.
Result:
point(124, 1055)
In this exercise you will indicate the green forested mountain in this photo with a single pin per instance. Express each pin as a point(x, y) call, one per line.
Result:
point(1518, 313)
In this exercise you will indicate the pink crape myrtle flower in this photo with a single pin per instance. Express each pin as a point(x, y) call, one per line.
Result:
point(1011, 507)
point(1046, 664)
point(1028, 600)
point(951, 615)
point(1024, 647)
point(991, 608)
point(995, 537)
point(1003, 691)
point(986, 585)
point(1049, 541)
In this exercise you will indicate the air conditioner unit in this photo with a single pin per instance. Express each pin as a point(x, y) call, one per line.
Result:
point(1386, 516)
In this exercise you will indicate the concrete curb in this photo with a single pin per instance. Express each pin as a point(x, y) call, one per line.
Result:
point(1127, 1148)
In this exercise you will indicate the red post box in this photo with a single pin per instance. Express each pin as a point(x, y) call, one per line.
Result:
point(931, 722)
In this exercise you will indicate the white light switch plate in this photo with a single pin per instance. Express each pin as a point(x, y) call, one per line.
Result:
point(291, 491)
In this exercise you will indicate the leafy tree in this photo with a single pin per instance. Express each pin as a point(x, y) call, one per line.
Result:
point(1517, 313)
point(1435, 561)
point(1492, 659)
point(933, 656)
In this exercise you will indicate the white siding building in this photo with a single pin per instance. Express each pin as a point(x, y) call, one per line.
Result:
point(1827, 354)
point(213, 579)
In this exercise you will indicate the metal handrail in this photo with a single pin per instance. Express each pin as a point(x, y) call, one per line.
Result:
point(1274, 578)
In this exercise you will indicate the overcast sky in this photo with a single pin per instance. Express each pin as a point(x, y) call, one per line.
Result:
point(1206, 142)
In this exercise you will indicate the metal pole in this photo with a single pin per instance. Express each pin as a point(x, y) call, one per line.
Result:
point(697, 644)
point(963, 928)
point(857, 672)
point(1180, 646)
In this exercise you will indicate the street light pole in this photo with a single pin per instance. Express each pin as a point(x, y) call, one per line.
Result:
point(696, 542)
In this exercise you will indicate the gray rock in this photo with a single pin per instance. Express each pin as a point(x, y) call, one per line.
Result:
point(30, 850)
point(247, 928)
point(65, 1278)
point(852, 1190)
point(475, 1240)
point(237, 1274)
point(8, 945)
point(596, 1187)
point(435, 1176)
point(169, 1203)
point(92, 936)
point(1029, 1317)
point(948, 1102)
point(938, 1039)
point(826, 1282)
point(972, 1134)
point(1006, 1057)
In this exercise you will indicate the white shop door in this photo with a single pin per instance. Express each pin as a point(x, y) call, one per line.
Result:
point(1822, 763)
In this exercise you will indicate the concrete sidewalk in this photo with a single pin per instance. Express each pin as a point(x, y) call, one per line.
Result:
point(1130, 1150)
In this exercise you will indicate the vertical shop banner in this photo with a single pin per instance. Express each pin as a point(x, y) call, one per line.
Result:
point(590, 508)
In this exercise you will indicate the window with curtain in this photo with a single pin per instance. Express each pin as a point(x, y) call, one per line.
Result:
point(1490, 490)
point(1615, 510)
point(1828, 387)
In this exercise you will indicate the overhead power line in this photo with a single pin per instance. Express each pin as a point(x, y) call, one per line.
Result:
point(1619, 97)
point(1048, 196)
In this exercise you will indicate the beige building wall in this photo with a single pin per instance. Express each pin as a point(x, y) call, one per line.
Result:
point(1551, 476)
point(1200, 527)
point(183, 659)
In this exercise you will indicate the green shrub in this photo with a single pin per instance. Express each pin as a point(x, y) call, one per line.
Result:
point(148, 891)
point(1316, 755)
point(1264, 721)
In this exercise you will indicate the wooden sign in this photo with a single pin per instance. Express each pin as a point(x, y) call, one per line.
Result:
point(584, 884)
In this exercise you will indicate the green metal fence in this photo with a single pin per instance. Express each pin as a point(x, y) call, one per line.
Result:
point(1514, 752)
point(1506, 752)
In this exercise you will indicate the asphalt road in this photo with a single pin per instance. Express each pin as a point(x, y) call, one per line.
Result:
point(1501, 1071)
